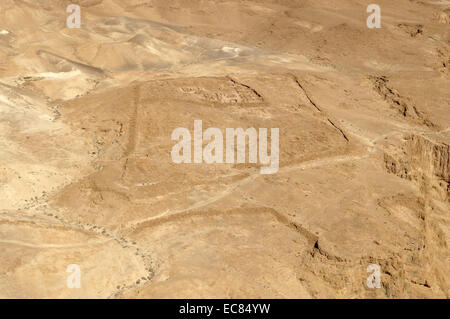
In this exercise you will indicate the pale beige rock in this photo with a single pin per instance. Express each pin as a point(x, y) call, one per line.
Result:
point(86, 176)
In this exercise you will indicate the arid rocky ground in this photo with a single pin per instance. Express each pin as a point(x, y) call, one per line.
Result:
point(86, 176)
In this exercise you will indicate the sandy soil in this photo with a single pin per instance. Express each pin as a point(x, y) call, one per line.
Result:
point(86, 175)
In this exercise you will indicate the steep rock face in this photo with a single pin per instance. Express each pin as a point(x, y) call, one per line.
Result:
point(424, 158)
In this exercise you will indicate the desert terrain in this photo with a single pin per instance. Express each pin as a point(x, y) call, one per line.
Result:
point(86, 175)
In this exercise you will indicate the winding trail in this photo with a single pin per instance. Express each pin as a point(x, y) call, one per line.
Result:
point(31, 245)
point(201, 204)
